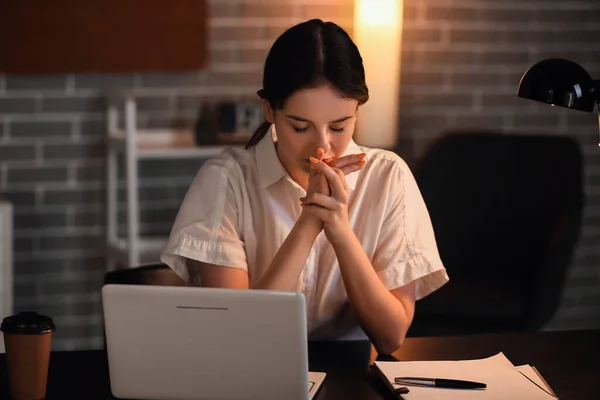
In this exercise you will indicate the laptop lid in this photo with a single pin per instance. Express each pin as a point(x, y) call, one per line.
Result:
point(204, 343)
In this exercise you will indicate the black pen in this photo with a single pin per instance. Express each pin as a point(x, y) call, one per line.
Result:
point(439, 382)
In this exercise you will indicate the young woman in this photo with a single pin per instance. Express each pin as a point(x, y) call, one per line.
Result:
point(305, 208)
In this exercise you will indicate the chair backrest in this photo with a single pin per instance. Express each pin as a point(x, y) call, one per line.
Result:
point(153, 274)
point(505, 209)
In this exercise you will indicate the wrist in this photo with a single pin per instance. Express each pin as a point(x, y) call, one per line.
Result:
point(340, 236)
point(309, 223)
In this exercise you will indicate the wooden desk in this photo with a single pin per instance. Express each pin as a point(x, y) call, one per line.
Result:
point(569, 361)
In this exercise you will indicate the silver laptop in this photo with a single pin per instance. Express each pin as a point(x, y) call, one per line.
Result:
point(176, 343)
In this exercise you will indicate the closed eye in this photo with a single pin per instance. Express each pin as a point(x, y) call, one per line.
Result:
point(300, 130)
point(338, 130)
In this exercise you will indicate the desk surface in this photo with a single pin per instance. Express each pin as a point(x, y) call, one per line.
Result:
point(569, 361)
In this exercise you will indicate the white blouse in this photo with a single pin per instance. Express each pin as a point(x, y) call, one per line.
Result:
point(242, 205)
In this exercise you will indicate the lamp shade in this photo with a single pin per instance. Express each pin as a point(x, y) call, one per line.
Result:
point(559, 82)
point(377, 32)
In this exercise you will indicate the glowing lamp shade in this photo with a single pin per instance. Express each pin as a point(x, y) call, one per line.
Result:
point(378, 35)
point(378, 12)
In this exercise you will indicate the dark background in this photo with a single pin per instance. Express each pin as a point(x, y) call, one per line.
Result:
point(461, 64)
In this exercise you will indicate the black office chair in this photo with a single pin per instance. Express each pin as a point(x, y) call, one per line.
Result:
point(506, 210)
point(152, 274)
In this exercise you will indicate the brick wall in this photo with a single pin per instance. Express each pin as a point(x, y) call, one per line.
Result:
point(52, 156)
point(52, 131)
point(462, 62)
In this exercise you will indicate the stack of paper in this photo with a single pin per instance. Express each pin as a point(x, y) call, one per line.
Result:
point(534, 376)
point(503, 379)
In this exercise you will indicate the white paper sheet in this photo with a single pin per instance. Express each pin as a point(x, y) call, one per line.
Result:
point(531, 374)
point(315, 380)
point(497, 372)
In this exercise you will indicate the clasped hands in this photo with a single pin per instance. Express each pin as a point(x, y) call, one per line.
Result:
point(327, 191)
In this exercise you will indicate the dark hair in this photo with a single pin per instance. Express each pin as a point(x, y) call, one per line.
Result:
point(305, 56)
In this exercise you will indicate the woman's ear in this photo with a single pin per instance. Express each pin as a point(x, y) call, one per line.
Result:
point(269, 112)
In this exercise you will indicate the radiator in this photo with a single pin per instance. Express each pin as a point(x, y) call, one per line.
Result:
point(6, 259)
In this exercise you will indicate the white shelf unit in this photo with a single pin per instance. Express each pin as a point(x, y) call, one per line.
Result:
point(134, 250)
point(6, 260)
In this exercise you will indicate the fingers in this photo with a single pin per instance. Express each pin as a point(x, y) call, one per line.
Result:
point(342, 177)
point(322, 185)
point(317, 211)
point(319, 153)
point(320, 200)
point(348, 169)
point(316, 184)
point(335, 183)
point(348, 164)
point(345, 160)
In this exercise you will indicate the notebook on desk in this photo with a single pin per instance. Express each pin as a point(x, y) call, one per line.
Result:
point(199, 343)
point(503, 380)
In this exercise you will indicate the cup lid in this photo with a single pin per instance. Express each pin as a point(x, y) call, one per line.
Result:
point(27, 323)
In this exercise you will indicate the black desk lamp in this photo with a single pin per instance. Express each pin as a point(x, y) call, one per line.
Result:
point(562, 83)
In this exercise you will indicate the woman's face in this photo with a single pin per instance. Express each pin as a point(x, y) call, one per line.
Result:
point(312, 118)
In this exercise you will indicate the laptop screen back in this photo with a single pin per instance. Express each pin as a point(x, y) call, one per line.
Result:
point(203, 343)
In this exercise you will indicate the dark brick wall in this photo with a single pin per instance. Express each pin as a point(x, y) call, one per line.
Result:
point(52, 156)
point(461, 65)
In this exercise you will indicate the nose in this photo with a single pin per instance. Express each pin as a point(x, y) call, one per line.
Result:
point(322, 140)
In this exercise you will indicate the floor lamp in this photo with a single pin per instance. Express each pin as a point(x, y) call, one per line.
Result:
point(378, 35)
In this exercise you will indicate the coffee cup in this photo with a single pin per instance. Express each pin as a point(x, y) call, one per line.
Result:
point(27, 340)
